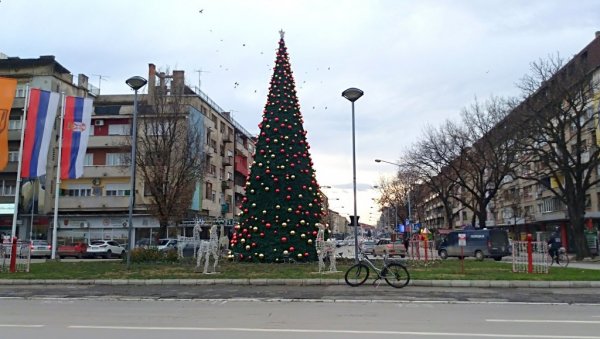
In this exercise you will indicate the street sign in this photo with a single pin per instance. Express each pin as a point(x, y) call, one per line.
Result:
point(462, 239)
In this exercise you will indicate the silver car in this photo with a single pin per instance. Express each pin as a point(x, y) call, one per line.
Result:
point(36, 248)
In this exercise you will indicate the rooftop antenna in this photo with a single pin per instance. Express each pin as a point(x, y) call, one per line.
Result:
point(100, 77)
point(200, 71)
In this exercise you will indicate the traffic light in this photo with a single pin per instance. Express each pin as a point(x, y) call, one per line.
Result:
point(353, 222)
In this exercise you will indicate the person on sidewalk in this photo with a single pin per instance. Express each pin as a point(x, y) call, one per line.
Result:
point(554, 244)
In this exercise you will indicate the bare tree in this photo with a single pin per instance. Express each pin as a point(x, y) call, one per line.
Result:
point(476, 155)
point(171, 155)
point(422, 160)
point(559, 147)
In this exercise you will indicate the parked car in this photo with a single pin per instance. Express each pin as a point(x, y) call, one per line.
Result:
point(389, 247)
point(478, 243)
point(368, 247)
point(36, 248)
point(77, 250)
point(166, 244)
point(105, 248)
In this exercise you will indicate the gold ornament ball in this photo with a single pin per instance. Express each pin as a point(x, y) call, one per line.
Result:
point(242, 240)
point(285, 252)
point(302, 222)
point(309, 241)
point(247, 247)
point(255, 228)
point(266, 188)
point(292, 232)
point(284, 224)
point(277, 207)
point(289, 209)
point(302, 235)
point(300, 255)
point(300, 196)
point(261, 256)
point(264, 212)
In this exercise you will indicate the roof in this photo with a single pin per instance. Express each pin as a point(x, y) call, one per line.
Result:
point(44, 60)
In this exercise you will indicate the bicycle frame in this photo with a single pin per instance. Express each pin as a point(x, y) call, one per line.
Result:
point(363, 258)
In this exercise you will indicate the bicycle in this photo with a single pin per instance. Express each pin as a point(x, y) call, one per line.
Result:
point(394, 273)
point(561, 258)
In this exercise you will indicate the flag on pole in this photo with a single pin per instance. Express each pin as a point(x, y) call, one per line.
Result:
point(41, 113)
point(7, 95)
point(76, 132)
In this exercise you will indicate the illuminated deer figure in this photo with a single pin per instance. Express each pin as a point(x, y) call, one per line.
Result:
point(325, 248)
point(207, 249)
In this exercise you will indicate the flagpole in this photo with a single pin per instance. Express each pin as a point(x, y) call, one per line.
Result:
point(18, 188)
point(57, 189)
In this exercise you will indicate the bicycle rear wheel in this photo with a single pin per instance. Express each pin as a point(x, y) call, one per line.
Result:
point(357, 274)
point(396, 275)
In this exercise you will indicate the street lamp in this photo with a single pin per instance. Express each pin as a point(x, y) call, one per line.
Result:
point(395, 164)
point(353, 94)
point(135, 82)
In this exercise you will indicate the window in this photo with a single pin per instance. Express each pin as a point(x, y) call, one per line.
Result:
point(213, 170)
point(214, 196)
point(88, 160)
point(20, 92)
point(8, 188)
point(14, 124)
point(77, 191)
point(208, 191)
point(13, 156)
point(116, 159)
point(117, 190)
point(222, 127)
point(119, 129)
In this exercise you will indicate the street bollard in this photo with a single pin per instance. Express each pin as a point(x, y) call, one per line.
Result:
point(529, 253)
point(13, 256)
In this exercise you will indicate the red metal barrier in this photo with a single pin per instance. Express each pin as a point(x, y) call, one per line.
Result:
point(13, 256)
point(529, 253)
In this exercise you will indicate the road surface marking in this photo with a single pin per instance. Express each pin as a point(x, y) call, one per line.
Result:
point(552, 321)
point(20, 325)
point(283, 330)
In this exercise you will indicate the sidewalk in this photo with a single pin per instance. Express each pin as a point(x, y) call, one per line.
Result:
point(303, 282)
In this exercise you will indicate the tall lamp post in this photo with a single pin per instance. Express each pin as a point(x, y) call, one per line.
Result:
point(395, 164)
point(353, 94)
point(135, 82)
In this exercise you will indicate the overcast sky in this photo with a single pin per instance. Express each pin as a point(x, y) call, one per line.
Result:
point(418, 62)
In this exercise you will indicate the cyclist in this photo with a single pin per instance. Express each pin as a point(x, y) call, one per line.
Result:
point(554, 244)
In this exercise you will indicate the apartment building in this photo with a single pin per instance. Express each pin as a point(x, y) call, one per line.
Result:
point(526, 206)
point(47, 74)
point(96, 205)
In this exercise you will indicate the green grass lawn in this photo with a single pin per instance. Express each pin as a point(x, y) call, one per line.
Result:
point(439, 270)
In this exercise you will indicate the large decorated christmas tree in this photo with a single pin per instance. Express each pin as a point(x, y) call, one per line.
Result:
point(279, 215)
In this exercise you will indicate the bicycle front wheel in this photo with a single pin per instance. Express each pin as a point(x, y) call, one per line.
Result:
point(357, 274)
point(396, 275)
point(562, 260)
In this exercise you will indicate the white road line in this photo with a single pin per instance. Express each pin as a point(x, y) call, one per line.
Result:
point(283, 330)
point(19, 325)
point(552, 321)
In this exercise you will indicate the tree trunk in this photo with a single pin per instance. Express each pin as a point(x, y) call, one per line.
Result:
point(578, 227)
point(162, 231)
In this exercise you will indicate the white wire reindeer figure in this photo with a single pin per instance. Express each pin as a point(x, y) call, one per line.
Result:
point(325, 248)
point(196, 233)
point(207, 249)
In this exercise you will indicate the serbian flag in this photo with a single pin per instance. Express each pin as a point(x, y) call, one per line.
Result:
point(7, 94)
point(38, 129)
point(76, 132)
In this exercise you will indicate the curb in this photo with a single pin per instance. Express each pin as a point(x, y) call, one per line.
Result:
point(304, 282)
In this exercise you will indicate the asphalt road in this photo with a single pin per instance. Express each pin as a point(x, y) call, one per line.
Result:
point(317, 293)
point(95, 319)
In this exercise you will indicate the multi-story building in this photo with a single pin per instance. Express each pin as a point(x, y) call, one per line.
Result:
point(47, 74)
point(104, 212)
point(527, 206)
point(96, 205)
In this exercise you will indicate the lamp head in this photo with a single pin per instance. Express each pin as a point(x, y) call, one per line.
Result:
point(136, 82)
point(352, 94)
point(377, 160)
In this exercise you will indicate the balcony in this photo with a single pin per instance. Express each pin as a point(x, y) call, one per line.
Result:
point(110, 141)
point(94, 203)
point(105, 171)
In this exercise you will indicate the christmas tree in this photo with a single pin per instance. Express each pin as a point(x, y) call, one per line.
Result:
point(279, 215)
